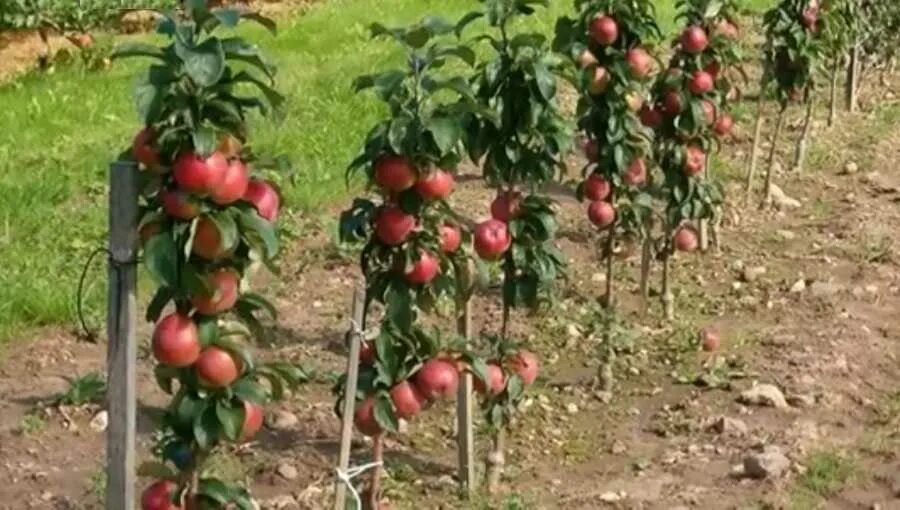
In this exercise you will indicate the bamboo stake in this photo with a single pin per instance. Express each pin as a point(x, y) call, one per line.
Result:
point(779, 125)
point(803, 142)
point(754, 152)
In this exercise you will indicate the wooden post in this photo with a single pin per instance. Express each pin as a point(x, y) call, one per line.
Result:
point(770, 169)
point(121, 321)
point(852, 85)
point(754, 152)
point(355, 336)
point(803, 143)
point(465, 436)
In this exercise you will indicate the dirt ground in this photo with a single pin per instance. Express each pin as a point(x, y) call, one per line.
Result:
point(805, 296)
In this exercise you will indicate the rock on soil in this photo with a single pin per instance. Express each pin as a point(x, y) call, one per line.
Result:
point(283, 420)
point(764, 395)
point(729, 426)
point(782, 201)
point(768, 463)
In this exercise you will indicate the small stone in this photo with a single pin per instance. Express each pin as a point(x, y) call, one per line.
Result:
point(824, 289)
point(610, 497)
point(736, 286)
point(283, 420)
point(782, 201)
point(618, 448)
point(798, 286)
point(872, 289)
point(287, 471)
point(768, 463)
point(787, 235)
point(729, 426)
point(801, 400)
point(751, 274)
point(572, 408)
point(573, 331)
point(100, 421)
point(603, 396)
point(598, 277)
point(851, 168)
point(763, 395)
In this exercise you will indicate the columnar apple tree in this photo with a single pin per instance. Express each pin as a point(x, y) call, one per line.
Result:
point(206, 219)
point(517, 135)
point(413, 253)
point(792, 55)
point(607, 39)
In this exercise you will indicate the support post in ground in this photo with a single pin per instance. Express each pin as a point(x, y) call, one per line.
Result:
point(355, 335)
point(121, 324)
point(851, 91)
point(770, 169)
point(465, 435)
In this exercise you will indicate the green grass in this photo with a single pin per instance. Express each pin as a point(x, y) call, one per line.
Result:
point(58, 133)
point(826, 474)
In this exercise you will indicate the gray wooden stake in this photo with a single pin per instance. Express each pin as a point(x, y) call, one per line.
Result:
point(465, 436)
point(355, 336)
point(121, 323)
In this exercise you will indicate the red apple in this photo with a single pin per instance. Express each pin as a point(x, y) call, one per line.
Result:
point(423, 271)
point(686, 239)
point(713, 68)
point(367, 353)
point(651, 117)
point(364, 418)
point(701, 83)
point(673, 104)
point(179, 204)
point(640, 62)
point(710, 340)
point(253, 420)
point(727, 29)
point(393, 226)
point(217, 368)
point(694, 40)
point(601, 214)
point(435, 186)
point(233, 186)
point(596, 187)
point(264, 198)
point(810, 18)
point(599, 81)
point(437, 378)
point(225, 286)
point(159, 496)
point(496, 380)
point(723, 125)
point(143, 149)
point(492, 239)
point(451, 238)
point(587, 59)
point(176, 341)
point(196, 174)
point(694, 160)
point(395, 173)
point(506, 206)
point(636, 174)
point(591, 150)
point(408, 400)
point(525, 364)
point(208, 240)
point(604, 30)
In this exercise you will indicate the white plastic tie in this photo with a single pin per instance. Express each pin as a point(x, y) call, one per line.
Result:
point(351, 473)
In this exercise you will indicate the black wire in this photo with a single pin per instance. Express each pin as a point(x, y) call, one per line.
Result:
point(87, 333)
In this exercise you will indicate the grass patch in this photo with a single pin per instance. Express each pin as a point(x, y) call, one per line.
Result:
point(827, 472)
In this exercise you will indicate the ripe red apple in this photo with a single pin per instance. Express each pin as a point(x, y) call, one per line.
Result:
point(635, 102)
point(367, 353)
point(199, 175)
point(701, 83)
point(651, 117)
point(723, 125)
point(496, 380)
point(438, 185)
point(264, 198)
point(364, 418)
point(253, 420)
point(709, 111)
point(604, 30)
point(208, 240)
point(673, 104)
point(143, 149)
point(713, 68)
point(596, 187)
point(176, 341)
point(233, 186)
point(393, 226)
point(437, 378)
point(492, 239)
point(601, 214)
point(179, 204)
point(217, 368)
point(159, 496)
point(686, 239)
point(727, 29)
point(525, 364)
point(408, 400)
point(694, 40)
point(640, 62)
point(636, 174)
point(694, 160)
point(451, 238)
point(591, 150)
point(587, 59)
point(225, 286)
point(395, 173)
point(810, 18)
point(599, 81)
point(506, 206)
point(710, 340)
point(423, 271)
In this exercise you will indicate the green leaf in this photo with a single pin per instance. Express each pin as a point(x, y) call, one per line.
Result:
point(446, 132)
point(208, 330)
point(164, 376)
point(250, 390)
point(206, 427)
point(205, 140)
point(268, 23)
point(237, 49)
point(258, 232)
point(161, 298)
point(205, 63)
point(257, 302)
point(545, 80)
point(227, 227)
point(161, 260)
point(227, 17)
point(231, 419)
point(137, 49)
point(384, 414)
point(156, 470)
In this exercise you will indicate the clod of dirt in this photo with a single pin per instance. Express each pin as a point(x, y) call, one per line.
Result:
point(798, 286)
point(764, 395)
point(729, 426)
point(851, 168)
point(751, 274)
point(100, 421)
point(782, 201)
point(285, 502)
point(282, 420)
point(801, 400)
point(787, 235)
point(768, 463)
point(287, 471)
